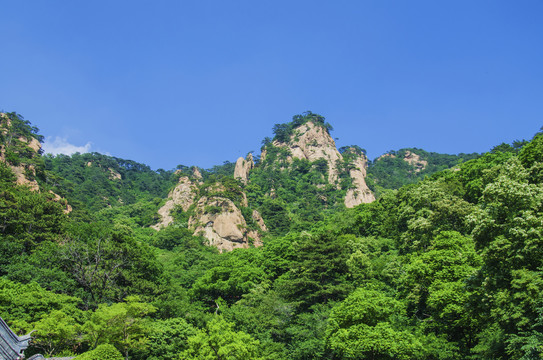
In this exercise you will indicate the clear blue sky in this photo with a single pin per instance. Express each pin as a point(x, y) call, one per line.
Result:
point(201, 82)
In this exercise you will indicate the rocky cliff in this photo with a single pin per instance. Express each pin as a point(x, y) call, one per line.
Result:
point(213, 215)
point(359, 192)
point(222, 223)
point(183, 195)
point(312, 142)
point(243, 166)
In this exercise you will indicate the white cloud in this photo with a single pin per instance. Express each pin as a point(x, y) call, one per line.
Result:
point(62, 146)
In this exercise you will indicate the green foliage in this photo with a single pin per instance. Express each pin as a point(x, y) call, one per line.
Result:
point(283, 132)
point(226, 169)
point(235, 274)
point(17, 140)
point(532, 152)
point(108, 264)
point(294, 196)
point(170, 237)
point(94, 182)
point(24, 304)
point(56, 332)
point(448, 266)
point(122, 324)
point(28, 218)
point(318, 272)
point(219, 340)
point(368, 325)
point(391, 171)
point(167, 338)
point(102, 352)
point(224, 187)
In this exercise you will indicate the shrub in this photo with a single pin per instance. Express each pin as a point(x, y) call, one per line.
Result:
point(102, 352)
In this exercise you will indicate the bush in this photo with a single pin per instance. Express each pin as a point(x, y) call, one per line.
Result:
point(102, 352)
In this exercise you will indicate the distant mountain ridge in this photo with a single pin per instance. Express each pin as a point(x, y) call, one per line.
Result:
point(394, 169)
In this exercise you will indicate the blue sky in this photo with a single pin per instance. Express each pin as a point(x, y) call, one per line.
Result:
point(201, 82)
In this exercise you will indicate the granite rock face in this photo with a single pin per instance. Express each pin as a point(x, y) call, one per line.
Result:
point(243, 166)
point(222, 223)
point(312, 142)
point(360, 192)
point(414, 160)
point(182, 195)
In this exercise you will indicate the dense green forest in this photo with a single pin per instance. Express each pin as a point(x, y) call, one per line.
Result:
point(446, 263)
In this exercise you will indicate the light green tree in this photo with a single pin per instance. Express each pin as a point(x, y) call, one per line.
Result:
point(364, 326)
point(219, 341)
point(56, 332)
point(123, 324)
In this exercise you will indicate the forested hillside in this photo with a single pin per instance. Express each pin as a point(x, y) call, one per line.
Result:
point(446, 263)
point(408, 166)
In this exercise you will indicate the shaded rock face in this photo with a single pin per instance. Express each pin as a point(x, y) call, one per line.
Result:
point(243, 166)
point(258, 218)
point(312, 142)
point(415, 161)
point(221, 222)
point(360, 193)
point(183, 195)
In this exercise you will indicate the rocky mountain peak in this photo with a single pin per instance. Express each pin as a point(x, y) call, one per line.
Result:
point(312, 142)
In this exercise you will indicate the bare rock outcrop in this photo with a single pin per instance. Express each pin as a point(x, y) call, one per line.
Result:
point(221, 222)
point(384, 156)
point(114, 175)
point(22, 179)
point(243, 166)
point(409, 157)
point(360, 193)
point(182, 195)
point(57, 198)
point(313, 142)
point(259, 220)
point(213, 216)
point(196, 173)
point(415, 161)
